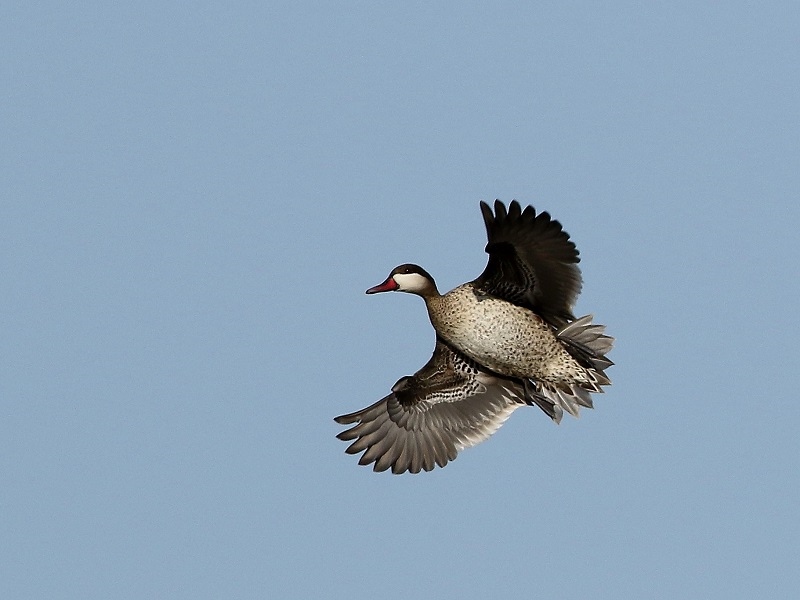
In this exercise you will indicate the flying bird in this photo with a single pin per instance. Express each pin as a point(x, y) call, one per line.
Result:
point(505, 340)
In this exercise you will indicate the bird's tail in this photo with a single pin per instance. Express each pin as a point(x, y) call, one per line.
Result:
point(587, 343)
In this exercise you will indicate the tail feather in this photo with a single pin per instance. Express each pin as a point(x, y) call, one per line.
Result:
point(533, 395)
point(570, 399)
point(587, 343)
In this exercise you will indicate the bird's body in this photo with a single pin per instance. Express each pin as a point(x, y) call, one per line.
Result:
point(503, 337)
point(505, 340)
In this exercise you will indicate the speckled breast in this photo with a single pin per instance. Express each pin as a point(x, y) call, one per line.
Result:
point(503, 337)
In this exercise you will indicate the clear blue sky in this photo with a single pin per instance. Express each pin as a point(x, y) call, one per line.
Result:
point(195, 197)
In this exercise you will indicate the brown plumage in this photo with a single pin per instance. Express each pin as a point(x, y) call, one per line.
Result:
point(505, 340)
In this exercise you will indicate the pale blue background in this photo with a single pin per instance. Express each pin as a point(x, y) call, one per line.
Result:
point(195, 197)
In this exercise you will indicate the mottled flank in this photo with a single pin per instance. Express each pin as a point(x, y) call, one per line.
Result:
point(507, 339)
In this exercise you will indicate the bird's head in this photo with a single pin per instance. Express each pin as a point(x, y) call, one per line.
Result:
point(407, 278)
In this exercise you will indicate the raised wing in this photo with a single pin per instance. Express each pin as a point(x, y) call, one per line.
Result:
point(449, 404)
point(532, 262)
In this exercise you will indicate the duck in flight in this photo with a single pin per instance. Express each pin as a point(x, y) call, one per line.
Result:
point(505, 340)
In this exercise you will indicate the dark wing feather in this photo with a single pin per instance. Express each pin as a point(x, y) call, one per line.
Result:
point(532, 262)
point(448, 405)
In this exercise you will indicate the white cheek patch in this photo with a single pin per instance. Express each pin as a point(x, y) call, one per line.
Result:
point(410, 282)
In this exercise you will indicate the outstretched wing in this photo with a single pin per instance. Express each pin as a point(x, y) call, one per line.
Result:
point(532, 262)
point(449, 404)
